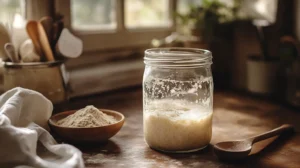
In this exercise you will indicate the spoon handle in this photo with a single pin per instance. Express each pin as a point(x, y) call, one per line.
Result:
point(274, 132)
point(11, 52)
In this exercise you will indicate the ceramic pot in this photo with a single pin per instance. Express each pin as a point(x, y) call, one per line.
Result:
point(262, 75)
point(48, 78)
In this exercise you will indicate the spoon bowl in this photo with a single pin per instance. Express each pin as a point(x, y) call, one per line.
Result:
point(235, 150)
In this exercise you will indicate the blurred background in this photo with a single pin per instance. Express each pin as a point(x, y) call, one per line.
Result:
point(255, 43)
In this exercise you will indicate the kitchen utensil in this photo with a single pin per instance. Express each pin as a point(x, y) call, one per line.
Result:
point(58, 17)
point(11, 52)
point(28, 53)
point(69, 45)
point(232, 150)
point(4, 38)
point(32, 30)
point(57, 29)
point(18, 31)
point(86, 135)
point(260, 24)
point(45, 42)
point(47, 23)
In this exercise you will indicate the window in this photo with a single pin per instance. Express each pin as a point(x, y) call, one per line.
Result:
point(9, 8)
point(93, 15)
point(147, 13)
point(110, 24)
point(260, 9)
point(183, 6)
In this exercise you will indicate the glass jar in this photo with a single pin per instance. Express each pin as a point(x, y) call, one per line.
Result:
point(177, 99)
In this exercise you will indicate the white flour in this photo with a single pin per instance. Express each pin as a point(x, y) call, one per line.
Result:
point(175, 125)
point(87, 117)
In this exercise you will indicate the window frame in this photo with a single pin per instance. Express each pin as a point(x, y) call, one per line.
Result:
point(111, 39)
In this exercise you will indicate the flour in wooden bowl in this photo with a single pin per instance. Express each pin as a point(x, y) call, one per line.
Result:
point(87, 117)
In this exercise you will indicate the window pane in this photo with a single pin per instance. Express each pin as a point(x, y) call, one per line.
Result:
point(93, 14)
point(9, 8)
point(183, 6)
point(259, 9)
point(147, 13)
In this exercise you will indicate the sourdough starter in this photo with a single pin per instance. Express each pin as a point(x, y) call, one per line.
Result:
point(177, 125)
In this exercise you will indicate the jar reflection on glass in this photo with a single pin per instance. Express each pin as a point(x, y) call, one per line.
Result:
point(177, 99)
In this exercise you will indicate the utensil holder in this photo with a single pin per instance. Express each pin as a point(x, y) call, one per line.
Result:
point(48, 78)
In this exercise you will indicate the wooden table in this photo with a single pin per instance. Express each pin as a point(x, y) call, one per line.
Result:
point(235, 116)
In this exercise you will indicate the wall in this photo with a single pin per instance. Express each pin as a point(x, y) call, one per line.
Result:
point(245, 44)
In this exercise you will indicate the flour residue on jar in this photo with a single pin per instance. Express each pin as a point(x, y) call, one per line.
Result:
point(177, 125)
point(196, 90)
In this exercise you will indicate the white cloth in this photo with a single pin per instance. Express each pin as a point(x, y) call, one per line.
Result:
point(24, 142)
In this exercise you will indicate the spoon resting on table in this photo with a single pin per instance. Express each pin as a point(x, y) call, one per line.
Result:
point(233, 150)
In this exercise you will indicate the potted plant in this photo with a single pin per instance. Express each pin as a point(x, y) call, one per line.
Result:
point(212, 23)
point(208, 20)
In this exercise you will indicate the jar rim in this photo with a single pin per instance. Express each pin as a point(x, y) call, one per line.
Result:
point(33, 64)
point(177, 57)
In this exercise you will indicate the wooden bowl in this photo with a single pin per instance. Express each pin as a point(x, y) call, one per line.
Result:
point(86, 135)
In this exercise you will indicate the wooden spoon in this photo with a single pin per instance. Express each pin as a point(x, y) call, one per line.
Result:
point(11, 52)
point(32, 30)
point(57, 29)
point(45, 42)
point(233, 150)
point(47, 23)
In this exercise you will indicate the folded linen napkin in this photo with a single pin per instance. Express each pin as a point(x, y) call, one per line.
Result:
point(24, 141)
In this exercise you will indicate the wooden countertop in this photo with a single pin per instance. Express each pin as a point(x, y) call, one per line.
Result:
point(235, 116)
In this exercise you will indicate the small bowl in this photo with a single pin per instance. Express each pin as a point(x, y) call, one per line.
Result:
point(86, 135)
